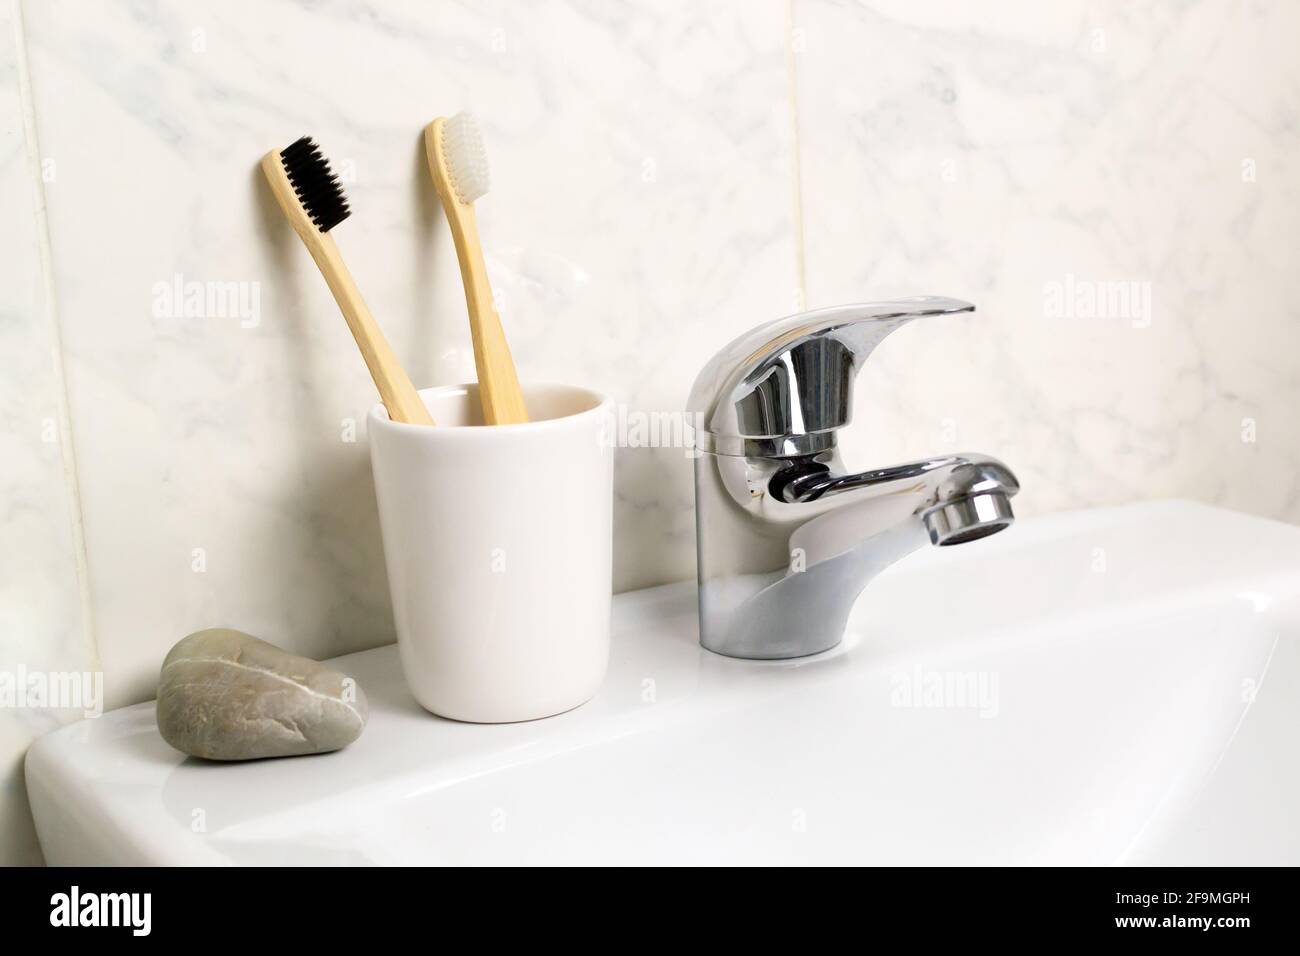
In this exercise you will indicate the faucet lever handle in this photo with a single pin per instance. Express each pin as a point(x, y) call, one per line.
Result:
point(784, 387)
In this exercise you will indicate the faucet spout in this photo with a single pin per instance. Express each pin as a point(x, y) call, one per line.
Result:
point(967, 496)
point(786, 545)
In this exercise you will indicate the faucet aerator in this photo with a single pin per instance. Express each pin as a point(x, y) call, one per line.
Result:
point(968, 519)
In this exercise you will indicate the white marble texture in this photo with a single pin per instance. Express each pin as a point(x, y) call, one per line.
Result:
point(40, 609)
point(641, 212)
point(985, 150)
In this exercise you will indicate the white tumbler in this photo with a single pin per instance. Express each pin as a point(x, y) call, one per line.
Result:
point(497, 540)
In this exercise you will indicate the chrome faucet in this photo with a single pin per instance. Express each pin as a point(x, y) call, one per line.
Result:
point(786, 539)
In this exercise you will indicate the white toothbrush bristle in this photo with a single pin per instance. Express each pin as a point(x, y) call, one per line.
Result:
point(462, 145)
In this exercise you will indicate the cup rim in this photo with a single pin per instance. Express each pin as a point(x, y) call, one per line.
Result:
point(378, 414)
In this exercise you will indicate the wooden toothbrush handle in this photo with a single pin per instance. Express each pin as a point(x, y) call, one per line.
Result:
point(499, 393)
point(395, 389)
point(498, 383)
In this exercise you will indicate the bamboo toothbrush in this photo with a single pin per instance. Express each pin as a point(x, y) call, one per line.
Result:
point(313, 202)
point(458, 163)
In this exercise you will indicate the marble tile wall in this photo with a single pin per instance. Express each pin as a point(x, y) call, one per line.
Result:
point(41, 625)
point(665, 175)
point(1024, 155)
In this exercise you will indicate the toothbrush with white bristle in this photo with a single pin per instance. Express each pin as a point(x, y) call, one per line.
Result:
point(458, 163)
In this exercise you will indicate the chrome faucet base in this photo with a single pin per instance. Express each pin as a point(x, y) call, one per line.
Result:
point(774, 622)
point(786, 537)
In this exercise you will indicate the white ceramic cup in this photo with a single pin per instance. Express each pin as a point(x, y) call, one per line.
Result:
point(498, 546)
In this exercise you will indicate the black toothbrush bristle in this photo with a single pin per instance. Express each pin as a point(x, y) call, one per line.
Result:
point(318, 189)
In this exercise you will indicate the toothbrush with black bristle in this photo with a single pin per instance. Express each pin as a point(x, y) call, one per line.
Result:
point(313, 202)
point(458, 164)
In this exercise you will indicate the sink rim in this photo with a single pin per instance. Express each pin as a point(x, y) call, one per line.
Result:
point(64, 761)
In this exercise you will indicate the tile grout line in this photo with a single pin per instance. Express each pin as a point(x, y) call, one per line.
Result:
point(800, 266)
point(67, 451)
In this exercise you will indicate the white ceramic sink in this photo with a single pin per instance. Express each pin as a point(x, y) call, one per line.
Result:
point(1110, 686)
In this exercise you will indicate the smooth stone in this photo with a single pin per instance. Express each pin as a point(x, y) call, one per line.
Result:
point(226, 695)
